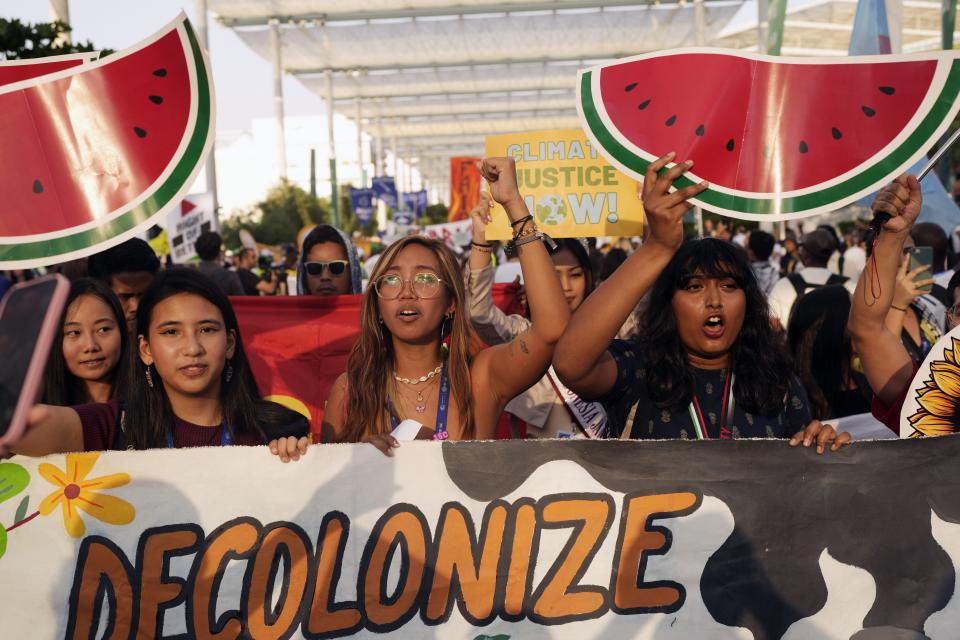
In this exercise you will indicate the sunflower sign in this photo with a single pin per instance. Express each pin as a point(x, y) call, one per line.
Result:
point(568, 186)
point(932, 405)
point(481, 540)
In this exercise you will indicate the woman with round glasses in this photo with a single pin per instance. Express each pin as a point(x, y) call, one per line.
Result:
point(329, 265)
point(415, 302)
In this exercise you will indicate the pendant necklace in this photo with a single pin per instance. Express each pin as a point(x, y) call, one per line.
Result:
point(421, 405)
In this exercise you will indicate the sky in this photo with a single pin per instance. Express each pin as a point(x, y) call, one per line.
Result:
point(243, 81)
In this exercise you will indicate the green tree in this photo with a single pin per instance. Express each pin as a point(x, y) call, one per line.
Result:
point(435, 214)
point(277, 219)
point(22, 40)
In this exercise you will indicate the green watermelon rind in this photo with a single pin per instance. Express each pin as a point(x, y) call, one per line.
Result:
point(15, 253)
point(933, 123)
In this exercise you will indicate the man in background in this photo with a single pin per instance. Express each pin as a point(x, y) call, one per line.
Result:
point(128, 269)
point(209, 247)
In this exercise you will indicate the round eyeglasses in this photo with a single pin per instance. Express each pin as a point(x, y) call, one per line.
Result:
point(423, 285)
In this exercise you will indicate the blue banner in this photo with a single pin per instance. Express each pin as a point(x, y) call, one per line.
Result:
point(416, 202)
point(385, 188)
point(361, 201)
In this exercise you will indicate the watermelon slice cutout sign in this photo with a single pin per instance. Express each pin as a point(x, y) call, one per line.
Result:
point(776, 138)
point(92, 154)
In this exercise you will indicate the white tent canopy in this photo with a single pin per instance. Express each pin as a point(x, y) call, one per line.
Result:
point(434, 77)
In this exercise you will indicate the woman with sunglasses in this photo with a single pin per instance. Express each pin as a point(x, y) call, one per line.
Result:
point(400, 370)
point(329, 264)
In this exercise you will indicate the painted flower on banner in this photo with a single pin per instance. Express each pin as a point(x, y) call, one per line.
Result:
point(75, 492)
point(939, 398)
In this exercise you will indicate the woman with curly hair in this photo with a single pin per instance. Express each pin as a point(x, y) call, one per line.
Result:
point(400, 368)
point(708, 364)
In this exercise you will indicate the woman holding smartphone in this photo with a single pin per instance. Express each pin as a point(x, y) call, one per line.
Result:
point(190, 386)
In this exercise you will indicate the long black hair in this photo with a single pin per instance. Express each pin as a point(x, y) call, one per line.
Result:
point(759, 358)
point(62, 388)
point(821, 347)
point(148, 414)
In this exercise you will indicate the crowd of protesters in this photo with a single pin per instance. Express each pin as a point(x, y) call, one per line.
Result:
point(729, 335)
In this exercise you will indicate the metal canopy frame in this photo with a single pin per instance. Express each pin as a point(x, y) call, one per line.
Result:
point(413, 10)
point(410, 73)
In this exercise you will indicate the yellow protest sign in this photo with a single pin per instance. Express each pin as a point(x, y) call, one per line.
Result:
point(570, 189)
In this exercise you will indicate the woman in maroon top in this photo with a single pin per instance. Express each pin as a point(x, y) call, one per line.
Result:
point(191, 385)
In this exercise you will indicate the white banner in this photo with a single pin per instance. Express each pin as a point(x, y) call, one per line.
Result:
point(548, 539)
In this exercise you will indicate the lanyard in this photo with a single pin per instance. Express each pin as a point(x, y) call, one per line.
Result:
point(442, 406)
point(225, 439)
point(589, 416)
point(696, 415)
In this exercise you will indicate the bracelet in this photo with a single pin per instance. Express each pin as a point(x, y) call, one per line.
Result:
point(485, 245)
point(893, 306)
point(511, 247)
point(522, 220)
point(525, 231)
point(480, 248)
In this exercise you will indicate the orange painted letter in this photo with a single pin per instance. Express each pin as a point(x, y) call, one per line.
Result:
point(630, 593)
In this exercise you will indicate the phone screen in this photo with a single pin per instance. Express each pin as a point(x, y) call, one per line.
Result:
point(20, 325)
point(922, 256)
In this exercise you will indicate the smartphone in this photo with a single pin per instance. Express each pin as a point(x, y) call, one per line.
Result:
point(29, 315)
point(922, 256)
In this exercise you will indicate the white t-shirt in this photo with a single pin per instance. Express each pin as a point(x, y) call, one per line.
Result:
point(854, 260)
point(783, 295)
point(943, 278)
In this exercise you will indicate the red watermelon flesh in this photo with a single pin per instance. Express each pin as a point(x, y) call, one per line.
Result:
point(798, 126)
point(18, 71)
point(97, 139)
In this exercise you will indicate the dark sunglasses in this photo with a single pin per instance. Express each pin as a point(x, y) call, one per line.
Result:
point(335, 267)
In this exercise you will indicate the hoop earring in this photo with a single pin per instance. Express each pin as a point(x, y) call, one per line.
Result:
point(229, 373)
point(149, 377)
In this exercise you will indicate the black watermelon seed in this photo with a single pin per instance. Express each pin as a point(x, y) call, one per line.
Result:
point(631, 86)
point(730, 144)
point(161, 72)
point(868, 111)
point(887, 90)
point(803, 147)
point(37, 186)
point(140, 132)
point(836, 133)
point(700, 130)
point(643, 105)
point(671, 120)
point(156, 99)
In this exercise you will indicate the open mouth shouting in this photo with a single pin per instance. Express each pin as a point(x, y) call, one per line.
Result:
point(714, 326)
